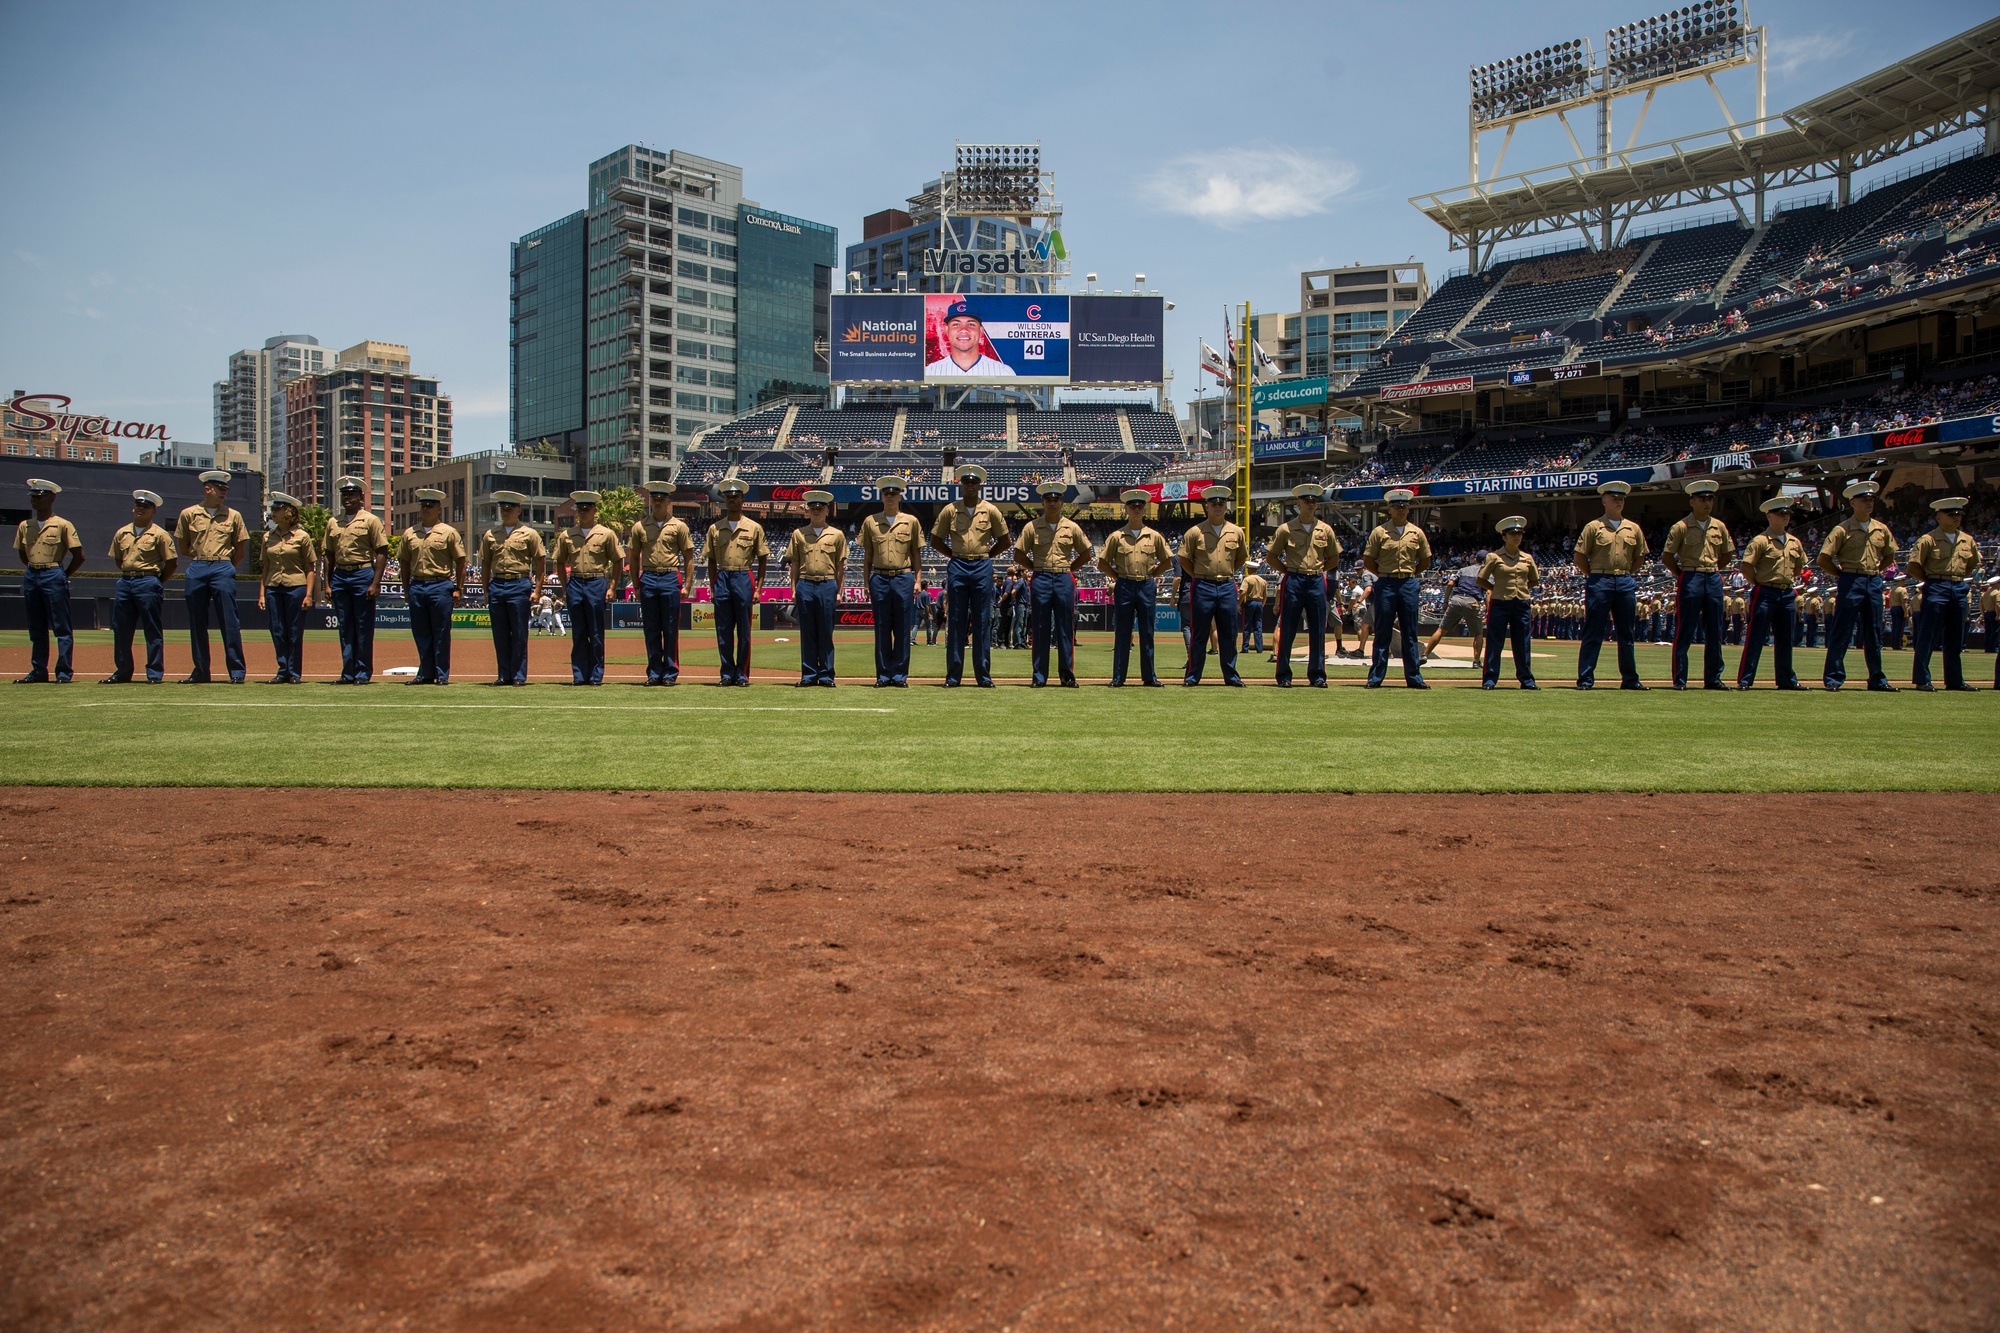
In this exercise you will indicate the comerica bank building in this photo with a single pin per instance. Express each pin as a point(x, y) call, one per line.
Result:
point(667, 306)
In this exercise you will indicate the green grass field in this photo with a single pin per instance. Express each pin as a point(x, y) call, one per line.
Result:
point(771, 737)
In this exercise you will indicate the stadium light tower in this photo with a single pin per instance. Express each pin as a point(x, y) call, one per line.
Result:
point(1697, 41)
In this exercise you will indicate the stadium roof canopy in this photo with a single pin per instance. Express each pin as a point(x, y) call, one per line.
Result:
point(1945, 90)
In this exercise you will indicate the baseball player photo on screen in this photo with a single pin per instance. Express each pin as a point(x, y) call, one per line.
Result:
point(996, 337)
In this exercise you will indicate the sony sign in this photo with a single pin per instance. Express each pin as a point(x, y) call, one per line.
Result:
point(69, 426)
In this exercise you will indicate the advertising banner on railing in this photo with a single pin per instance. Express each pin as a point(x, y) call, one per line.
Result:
point(1581, 480)
point(1289, 446)
point(1396, 393)
point(1936, 432)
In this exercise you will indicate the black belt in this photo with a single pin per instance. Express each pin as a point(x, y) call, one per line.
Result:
point(349, 569)
point(899, 569)
point(37, 569)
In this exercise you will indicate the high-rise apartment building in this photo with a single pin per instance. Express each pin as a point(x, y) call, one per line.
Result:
point(369, 417)
point(1344, 315)
point(250, 402)
point(650, 316)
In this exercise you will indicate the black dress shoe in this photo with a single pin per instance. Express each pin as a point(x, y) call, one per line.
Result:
point(1962, 689)
point(1371, 685)
point(1718, 685)
point(1921, 689)
point(983, 684)
point(1236, 684)
point(1831, 687)
point(1069, 684)
point(1884, 688)
point(1586, 685)
point(1529, 685)
point(279, 680)
point(115, 680)
point(1317, 684)
point(1037, 684)
point(1680, 685)
point(1282, 684)
point(1154, 684)
point(1641, 686)
point(1741, 685)
point(1486, 684)
point(194, 680)
point(31, 679)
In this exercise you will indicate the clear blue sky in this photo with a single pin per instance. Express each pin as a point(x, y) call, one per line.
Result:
point(185, 180)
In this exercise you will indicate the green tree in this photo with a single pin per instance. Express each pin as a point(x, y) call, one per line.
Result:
point(619, 508)
point(313, 518)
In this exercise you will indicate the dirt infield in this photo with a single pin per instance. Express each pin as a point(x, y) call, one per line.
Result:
point(503, 1060)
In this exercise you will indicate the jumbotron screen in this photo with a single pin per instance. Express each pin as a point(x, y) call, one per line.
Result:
point(988, 338)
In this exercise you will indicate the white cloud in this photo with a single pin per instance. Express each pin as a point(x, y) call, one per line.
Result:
point(1789, 55)
point(28, 257)
point(1233, 186)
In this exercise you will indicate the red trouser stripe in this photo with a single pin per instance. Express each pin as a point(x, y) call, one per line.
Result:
point(1749, 624)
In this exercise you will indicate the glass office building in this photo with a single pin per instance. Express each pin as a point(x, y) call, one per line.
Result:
point(784, 295)
point(545, 350)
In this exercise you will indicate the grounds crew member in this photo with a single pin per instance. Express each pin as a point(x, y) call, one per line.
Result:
point(1857, 551)
point(1134, 557)
point(1945, 558)
point(357, 556)
point(587, 554)
point(1397, 554)
point(971, 531)
point(817, 554)
point(1464, 605)
point(1698, 549)
point(735, 543)
point(144, 555)
point(1608, 554)
point(1212, 551)
point(1508, 578)
point(892, 555)
point(661, 550)
point(1306, 552)
point(287, 586)
point(1252, 594)
point(44, 541)
point(512, 562)
point(433, 560)
point(1053, 548)
point(214, 539)
point(1772, 561)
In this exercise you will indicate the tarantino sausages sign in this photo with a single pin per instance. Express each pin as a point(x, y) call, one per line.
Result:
point(39, 412)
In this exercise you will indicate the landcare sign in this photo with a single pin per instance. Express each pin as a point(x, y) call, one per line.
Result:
point(69, 427)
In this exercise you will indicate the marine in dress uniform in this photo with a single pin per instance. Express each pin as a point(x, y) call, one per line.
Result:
point(214, 539)
point(512, 561)
point(970, 531)
point(1212, 551)
point(1945, 558)
point(817, 554)
point(1989, 607)
point(357, 556)
point(143, 553)
point(1508, 578)
point(1772, 561)
point(735, 547)
point(661, 549)
point(1815, 605)
point(892, 553)
point(1306, 553)
point(1134, 557)
point(287, 586)
point(1608, 553)
point(1052, 549)
point(1252, 594)
point(1899, 612)
point(433, 560)
point(1398, 552)
point(586, 555)
point(50, 551)
point(1698, 550)
point(1856, 554)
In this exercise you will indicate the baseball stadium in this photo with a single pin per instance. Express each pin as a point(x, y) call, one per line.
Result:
point(967, 848)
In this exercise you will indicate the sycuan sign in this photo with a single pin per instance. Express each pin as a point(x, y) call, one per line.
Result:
point(70, 427)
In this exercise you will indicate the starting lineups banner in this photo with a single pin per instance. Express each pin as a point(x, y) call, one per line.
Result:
point(987, 338)
point(917, 492)
point(1587, 479)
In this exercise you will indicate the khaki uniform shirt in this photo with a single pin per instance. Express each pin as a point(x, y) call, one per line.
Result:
point(430, 554)
point(351, 543)
point(1133, 555)
point(1775, 560)
point(1052, 547)
point(510, 555)
point(970, 534)
point(592, 555)
point(1215, 552)
point(1932, 558)
point(1702, 547)
point(737, 548)
point(1399, 557)
point(1297, 549)
point(1860, 548)
point(147, 552)
point(44, 545)
point(289, 557)
point(200, 537)
point(1899, 595)
point(816, 559)
point(892, 546)
point(1255, 589)
point(1512, 578)
point(661, 546)
point(1608, 552)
